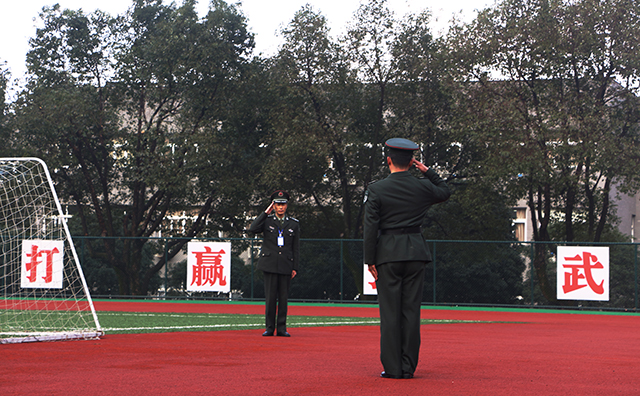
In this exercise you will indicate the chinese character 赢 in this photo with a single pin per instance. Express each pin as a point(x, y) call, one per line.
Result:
point(582, 270)
point(208, 268)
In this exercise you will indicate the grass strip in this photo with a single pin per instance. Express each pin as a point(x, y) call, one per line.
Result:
point(146, 322)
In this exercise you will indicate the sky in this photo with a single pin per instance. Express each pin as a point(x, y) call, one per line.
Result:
point(18, 18)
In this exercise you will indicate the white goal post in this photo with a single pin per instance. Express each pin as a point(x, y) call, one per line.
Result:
point(43, 292)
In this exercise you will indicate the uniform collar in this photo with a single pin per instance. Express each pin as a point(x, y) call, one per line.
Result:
point(400, 174)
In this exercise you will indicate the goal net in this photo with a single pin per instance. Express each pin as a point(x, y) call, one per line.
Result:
point(43, 293)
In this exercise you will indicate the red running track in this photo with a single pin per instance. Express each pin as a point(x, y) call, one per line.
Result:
point(534, 354)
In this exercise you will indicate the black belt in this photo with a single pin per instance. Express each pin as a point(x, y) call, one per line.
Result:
point(400, 231)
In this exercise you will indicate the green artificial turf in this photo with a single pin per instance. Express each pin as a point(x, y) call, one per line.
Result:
point(15, 322)
point(146, 322)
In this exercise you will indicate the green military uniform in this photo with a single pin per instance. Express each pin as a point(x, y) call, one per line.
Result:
point(278, 259)
point(394, 211)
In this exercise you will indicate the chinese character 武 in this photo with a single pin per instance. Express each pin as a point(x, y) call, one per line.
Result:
point(582, 269)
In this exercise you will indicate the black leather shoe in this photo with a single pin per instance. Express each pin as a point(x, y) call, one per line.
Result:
point(267, 334)
point(407, 375)
point(385, 375)
point(285, 334)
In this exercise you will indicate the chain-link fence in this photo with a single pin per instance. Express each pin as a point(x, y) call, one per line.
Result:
point(491, 273)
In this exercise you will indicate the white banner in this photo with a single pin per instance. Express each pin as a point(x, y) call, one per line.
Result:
point(369, 284)
point(583, 273)
point(209, 266)
point(42, 264)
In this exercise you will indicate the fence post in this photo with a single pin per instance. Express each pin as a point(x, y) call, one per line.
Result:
point(82, 252)
point(434, 272)
point(635, 265)
point(341, 276)
point(166, 267)
point(251, 260)
point(531, 271)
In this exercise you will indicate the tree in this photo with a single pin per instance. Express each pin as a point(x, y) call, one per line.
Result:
point(368, 42)
point(126, 137)
point(313, 119)
point(313, 152)
point(559, 124)
point(179, 76)
point(336, 104)
point(477, 272)
point(4, 116)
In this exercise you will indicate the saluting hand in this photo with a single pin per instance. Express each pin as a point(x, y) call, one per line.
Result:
point(269, 209)
point(421, 167)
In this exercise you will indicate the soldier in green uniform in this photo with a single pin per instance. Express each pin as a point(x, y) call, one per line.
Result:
point(278, 260)
point(396, 252)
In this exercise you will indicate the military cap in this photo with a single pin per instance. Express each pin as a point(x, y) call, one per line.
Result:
point(280, 196)
point(401, 144)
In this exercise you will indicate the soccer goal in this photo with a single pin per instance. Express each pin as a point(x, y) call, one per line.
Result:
point(43, 292)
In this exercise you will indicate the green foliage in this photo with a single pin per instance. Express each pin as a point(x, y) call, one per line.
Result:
point(562, 122)
point(158, 113)
point(622, 277)
point(244, 281)
point(320, 273)
point(101, 278)
point(560, 125)
point(475, 211)
point(474, 272)
point(5, 136)
point(128, 112)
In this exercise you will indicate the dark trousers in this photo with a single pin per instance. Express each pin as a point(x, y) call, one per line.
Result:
point(399, 295)
point(276, 289)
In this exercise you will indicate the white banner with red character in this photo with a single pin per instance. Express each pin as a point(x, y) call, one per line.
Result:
point(209, 266)
point(583, 273)
point(42, 264)
point(369, 284)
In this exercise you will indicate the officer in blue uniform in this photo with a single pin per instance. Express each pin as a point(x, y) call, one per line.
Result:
point(278, 260)
point(396, 252)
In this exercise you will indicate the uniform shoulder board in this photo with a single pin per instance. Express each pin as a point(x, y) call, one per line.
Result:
point(366, 192)
point(294, 219)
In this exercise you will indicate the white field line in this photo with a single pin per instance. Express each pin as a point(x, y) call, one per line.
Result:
point(291, 324)
point(170, 315)
point(249, 325)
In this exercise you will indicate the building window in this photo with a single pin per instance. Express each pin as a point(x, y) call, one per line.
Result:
point(520, 224)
